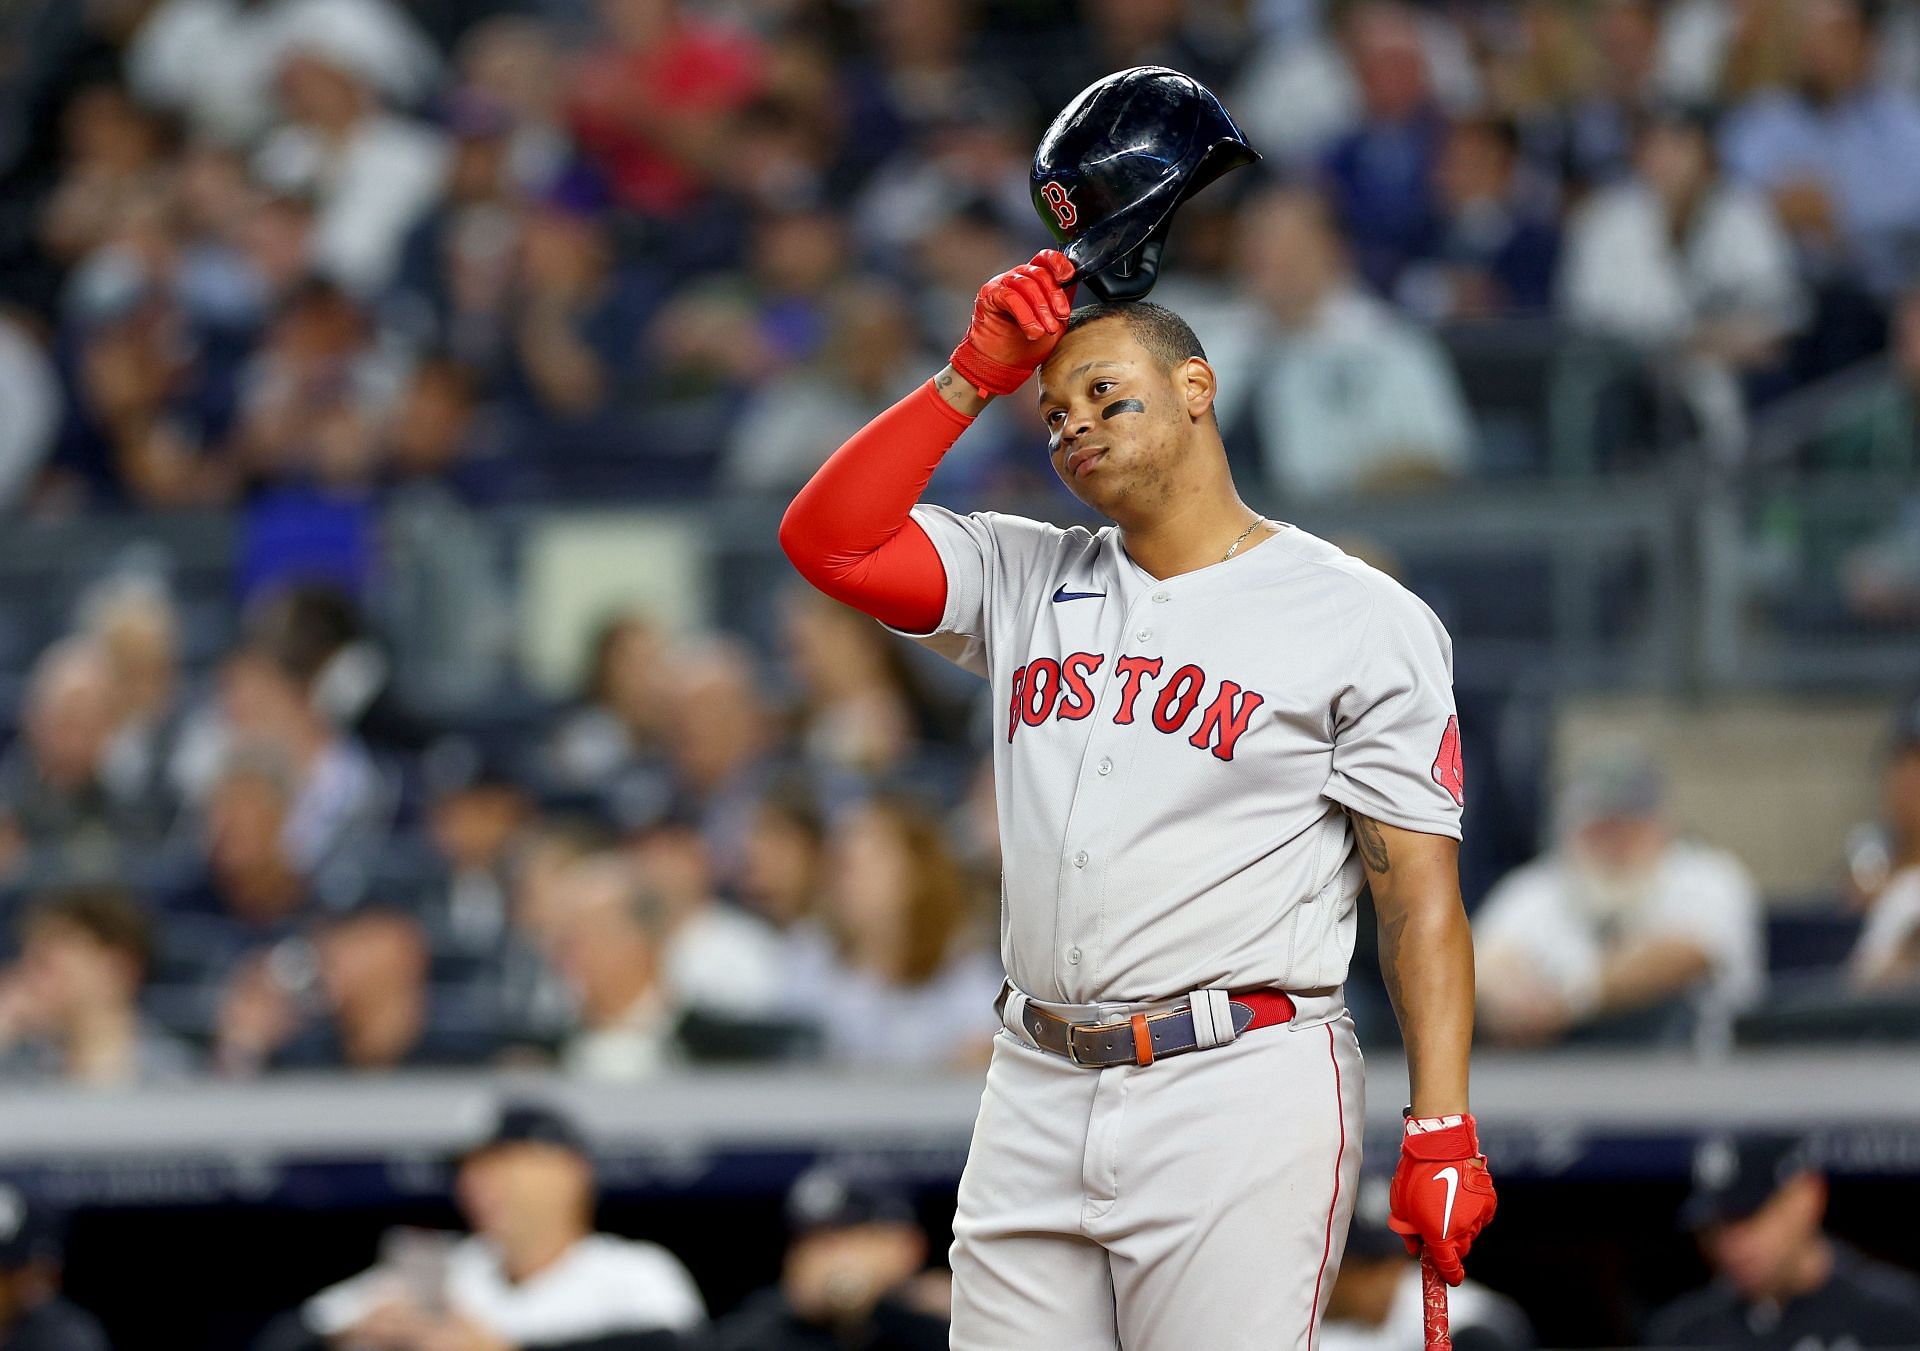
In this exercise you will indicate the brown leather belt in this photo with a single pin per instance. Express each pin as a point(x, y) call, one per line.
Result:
point(1147, 1037)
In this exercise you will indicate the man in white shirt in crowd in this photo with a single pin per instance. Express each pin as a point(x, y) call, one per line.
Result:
point(1620, 929)
point(1343, 394)
point(608, 942)
point(533, 1276)
point(1687, 266)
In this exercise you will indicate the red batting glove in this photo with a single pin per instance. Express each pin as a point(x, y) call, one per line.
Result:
point(1017, 319)
point(1442, 1195)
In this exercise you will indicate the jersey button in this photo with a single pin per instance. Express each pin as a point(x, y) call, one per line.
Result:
point(1073, 956)
point(1105, 766)
point(1144, 635)
point(1080, 859)
point(1161, 598)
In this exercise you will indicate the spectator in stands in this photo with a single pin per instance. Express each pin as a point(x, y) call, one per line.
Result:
point(476, 821)
point(1299, 92)
point(115, 159)
point(306, 442)
point(575, 321)
point(1376, 1303)
point(337, 806)
point(896, 972)
point(650, 102)
point(1721, 53)
point(1780, 1281)
point(855, 713)
point(719, 738)
point(1887, 955)
point(971, 160)
point(535, 1002)
point(716, 957)
point(1576, 85)
point(34, 1314)
point(253, 882)
point(607, 942)
point(1686, 266)
point(782, 873)
point(70, 1006)
point(314, 632)
point(621, 721)
point(795, 421)
point(1621, 929)
point(134, 621)
point(1498, 235)
point(215, 61)
point(533, 1274)
point(57, 806)
point(354, 996)
point(371, 173)
point(1821, 150)
point(855, 1274)
point(916, 73)
point(444, 597)
point(30, 391)
point(738, 331)
point(1339, 393)
point(512, 64)
point(1380, 175)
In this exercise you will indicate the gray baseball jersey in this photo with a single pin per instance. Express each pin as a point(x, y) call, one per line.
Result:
point(1171, 757)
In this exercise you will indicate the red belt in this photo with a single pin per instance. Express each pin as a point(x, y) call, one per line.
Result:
point(1147, 1037)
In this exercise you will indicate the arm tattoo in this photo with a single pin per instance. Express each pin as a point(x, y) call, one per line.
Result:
point(1393, 926)
point(944, 379)
point(1373, 848)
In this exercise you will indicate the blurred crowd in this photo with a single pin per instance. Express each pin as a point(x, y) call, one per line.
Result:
point(278, 869)
point(362, 271)
point(329, 259)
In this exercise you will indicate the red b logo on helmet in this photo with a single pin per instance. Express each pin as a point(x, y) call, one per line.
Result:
point(1062, 206)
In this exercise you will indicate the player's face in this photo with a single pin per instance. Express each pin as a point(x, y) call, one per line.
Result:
point(1116, 424)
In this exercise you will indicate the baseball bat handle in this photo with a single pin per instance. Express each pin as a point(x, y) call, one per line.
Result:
point(1433, 1288)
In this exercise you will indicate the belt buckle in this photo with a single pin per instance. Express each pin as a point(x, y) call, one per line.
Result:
point(1073, 1052)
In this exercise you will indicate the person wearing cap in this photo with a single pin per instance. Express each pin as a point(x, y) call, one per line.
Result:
point(532, 1276)
point(854, 1275)
point(1780, 1281)
point(1376, 1302)
point(34, 1315)
point(1887, 953)
point(1621, 929)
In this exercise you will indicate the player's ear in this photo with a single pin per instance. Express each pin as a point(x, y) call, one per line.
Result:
point(1194, 382)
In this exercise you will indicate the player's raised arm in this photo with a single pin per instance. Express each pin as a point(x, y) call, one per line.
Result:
point(849, 531)
point(1441, 1195)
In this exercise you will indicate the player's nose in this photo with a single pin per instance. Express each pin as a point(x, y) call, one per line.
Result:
point(1079, 422)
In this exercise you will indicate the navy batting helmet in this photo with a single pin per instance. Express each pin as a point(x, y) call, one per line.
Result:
point(1117, 161)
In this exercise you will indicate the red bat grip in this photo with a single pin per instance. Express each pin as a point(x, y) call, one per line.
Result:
point(1433, 1288)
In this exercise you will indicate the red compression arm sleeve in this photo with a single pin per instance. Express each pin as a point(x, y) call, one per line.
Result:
point(849, 532)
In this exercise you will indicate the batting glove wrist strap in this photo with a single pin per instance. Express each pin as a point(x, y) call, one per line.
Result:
point(1458, 1138)
point(987, 376)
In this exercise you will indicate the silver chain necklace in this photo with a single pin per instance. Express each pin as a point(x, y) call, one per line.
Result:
point(1234, 547)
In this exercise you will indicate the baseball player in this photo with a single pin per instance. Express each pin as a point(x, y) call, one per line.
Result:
point(1210, 731)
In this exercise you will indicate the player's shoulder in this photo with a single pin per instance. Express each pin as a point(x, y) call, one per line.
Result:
point(1380, 593)
point(1012, 534)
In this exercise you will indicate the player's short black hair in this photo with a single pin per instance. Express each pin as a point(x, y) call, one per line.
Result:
point(1159, 329)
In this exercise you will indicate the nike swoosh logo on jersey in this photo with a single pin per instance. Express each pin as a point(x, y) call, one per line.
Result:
point(1450, 1176)
point(1064, 594)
